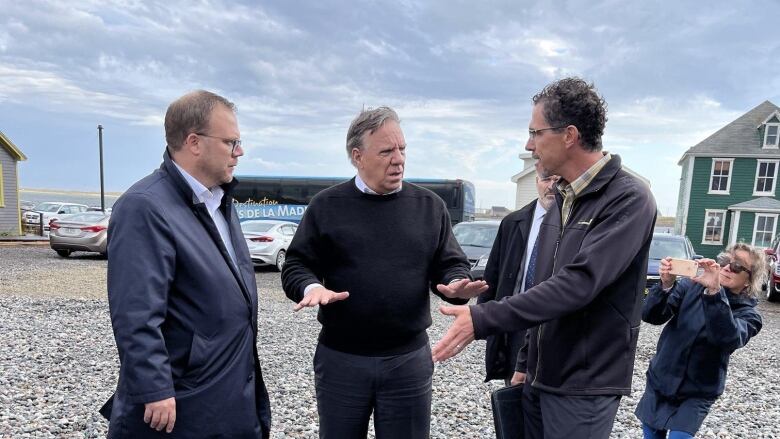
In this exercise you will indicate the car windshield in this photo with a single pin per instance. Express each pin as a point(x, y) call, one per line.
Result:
point(92, 217)
point(256, 227)
point(475, 235)
point(661, 248)
point(47, 207)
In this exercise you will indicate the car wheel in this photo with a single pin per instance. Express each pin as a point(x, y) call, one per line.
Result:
point(63, 253)
point(772, 295)
point(280, 257)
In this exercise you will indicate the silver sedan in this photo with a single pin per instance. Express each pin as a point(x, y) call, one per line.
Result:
point(80, 232)
point(268, 240)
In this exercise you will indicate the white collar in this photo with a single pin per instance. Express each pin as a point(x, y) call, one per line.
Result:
point(363, 187)
point(212, 197)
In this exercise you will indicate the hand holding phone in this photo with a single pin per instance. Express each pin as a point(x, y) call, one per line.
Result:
point(683, 267)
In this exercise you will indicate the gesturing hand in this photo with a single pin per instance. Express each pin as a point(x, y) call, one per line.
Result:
point(320, 296)
point(161, 414)
point(463, 289)
point(460, 334)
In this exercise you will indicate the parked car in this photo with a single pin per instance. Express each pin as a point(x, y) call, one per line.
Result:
point(50, 210)
point(26, 205)
point(773, 277)
point(268, 240)
point(79, 232)
point(663, 245)
point(98, 209)
point(476, 239)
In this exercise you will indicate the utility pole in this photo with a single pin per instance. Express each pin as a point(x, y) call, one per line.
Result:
point(102, 191)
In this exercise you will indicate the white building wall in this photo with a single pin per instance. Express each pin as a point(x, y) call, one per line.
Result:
point(526, 190)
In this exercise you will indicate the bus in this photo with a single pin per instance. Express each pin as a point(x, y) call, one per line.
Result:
point(286, 198)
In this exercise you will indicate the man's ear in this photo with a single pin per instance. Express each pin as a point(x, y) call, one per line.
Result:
point(357, 154)
point(192, 143)
point(571, 136)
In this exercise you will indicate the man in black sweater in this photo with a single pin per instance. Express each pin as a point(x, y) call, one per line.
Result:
point(367, 252)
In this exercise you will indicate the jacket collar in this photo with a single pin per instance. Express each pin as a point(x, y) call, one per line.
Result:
point(740, 299)
point(605, 175)
point(169, 168)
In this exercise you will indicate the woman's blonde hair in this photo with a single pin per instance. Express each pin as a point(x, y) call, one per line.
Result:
point(758, 267)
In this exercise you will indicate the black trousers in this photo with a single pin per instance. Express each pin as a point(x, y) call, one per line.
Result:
point(397, 389)
point(550, 416)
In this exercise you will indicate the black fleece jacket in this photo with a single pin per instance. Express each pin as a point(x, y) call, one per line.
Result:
point(590, 277)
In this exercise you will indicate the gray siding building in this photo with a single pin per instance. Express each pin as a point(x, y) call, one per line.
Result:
point(10, 216)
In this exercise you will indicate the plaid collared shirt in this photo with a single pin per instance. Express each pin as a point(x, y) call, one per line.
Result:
point(571, 191)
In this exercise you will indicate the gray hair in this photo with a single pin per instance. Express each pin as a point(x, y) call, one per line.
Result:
point(191, 113)
point(758, 266)
point(367, 121)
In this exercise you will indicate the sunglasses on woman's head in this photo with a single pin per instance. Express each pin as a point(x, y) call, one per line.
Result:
point(724, 259)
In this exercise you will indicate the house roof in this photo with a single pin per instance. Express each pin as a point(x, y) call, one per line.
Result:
point(14, 150)
point(762, 204)
point(527, 171)
point(739, 138)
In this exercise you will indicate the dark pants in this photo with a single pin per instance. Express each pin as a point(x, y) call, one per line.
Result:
point(651, 433)
point(550, 416)
point(397, 389)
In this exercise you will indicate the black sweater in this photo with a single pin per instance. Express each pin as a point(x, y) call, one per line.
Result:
point(387, 251)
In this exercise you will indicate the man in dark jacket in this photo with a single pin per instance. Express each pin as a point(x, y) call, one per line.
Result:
point(507, 274)
point(368, 251)
point(182, 292)
point(590, 275)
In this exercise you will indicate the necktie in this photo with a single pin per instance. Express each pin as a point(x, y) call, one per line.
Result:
point(529, 273)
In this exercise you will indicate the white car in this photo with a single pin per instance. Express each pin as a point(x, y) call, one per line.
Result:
point(268, 240)
point(49, 210)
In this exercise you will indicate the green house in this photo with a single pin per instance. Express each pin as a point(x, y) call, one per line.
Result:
point(728, 188)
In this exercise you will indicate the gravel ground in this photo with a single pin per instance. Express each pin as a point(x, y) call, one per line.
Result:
point(58, 362)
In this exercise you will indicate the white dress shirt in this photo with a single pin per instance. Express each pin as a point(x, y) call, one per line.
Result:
point(539, 212)
point(363, 187)
point(212, 198)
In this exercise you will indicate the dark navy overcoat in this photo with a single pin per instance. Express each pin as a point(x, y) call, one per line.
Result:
point(184, 316)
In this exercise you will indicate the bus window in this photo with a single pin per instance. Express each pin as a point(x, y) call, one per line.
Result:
point(293, 192)
point(446, 194)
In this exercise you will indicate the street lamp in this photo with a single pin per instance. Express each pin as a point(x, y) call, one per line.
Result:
point(102, 192)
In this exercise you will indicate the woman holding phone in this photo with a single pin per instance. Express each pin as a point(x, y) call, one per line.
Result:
point(709, 317)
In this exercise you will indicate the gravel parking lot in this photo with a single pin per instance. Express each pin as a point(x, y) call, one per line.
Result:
point(58, 362)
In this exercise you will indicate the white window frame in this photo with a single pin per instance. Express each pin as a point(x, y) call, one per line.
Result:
point(707, 213)
point(774, 226)
point(712, 175)
point(766, 136)
point(771, 193)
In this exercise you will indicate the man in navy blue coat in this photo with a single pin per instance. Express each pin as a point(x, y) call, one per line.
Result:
point(182, 291)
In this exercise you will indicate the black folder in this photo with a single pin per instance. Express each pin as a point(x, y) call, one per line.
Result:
point(508, 412)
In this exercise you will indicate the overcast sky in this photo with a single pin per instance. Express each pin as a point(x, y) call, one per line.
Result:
point(461, 75)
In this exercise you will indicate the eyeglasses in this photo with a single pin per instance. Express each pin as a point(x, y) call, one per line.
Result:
point(532, 133)
point(233, 143)
point(725, 259)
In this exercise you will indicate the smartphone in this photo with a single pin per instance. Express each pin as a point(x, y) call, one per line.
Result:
point(684, 267)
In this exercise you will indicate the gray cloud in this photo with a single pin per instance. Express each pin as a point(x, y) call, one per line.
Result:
point(460, 73)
